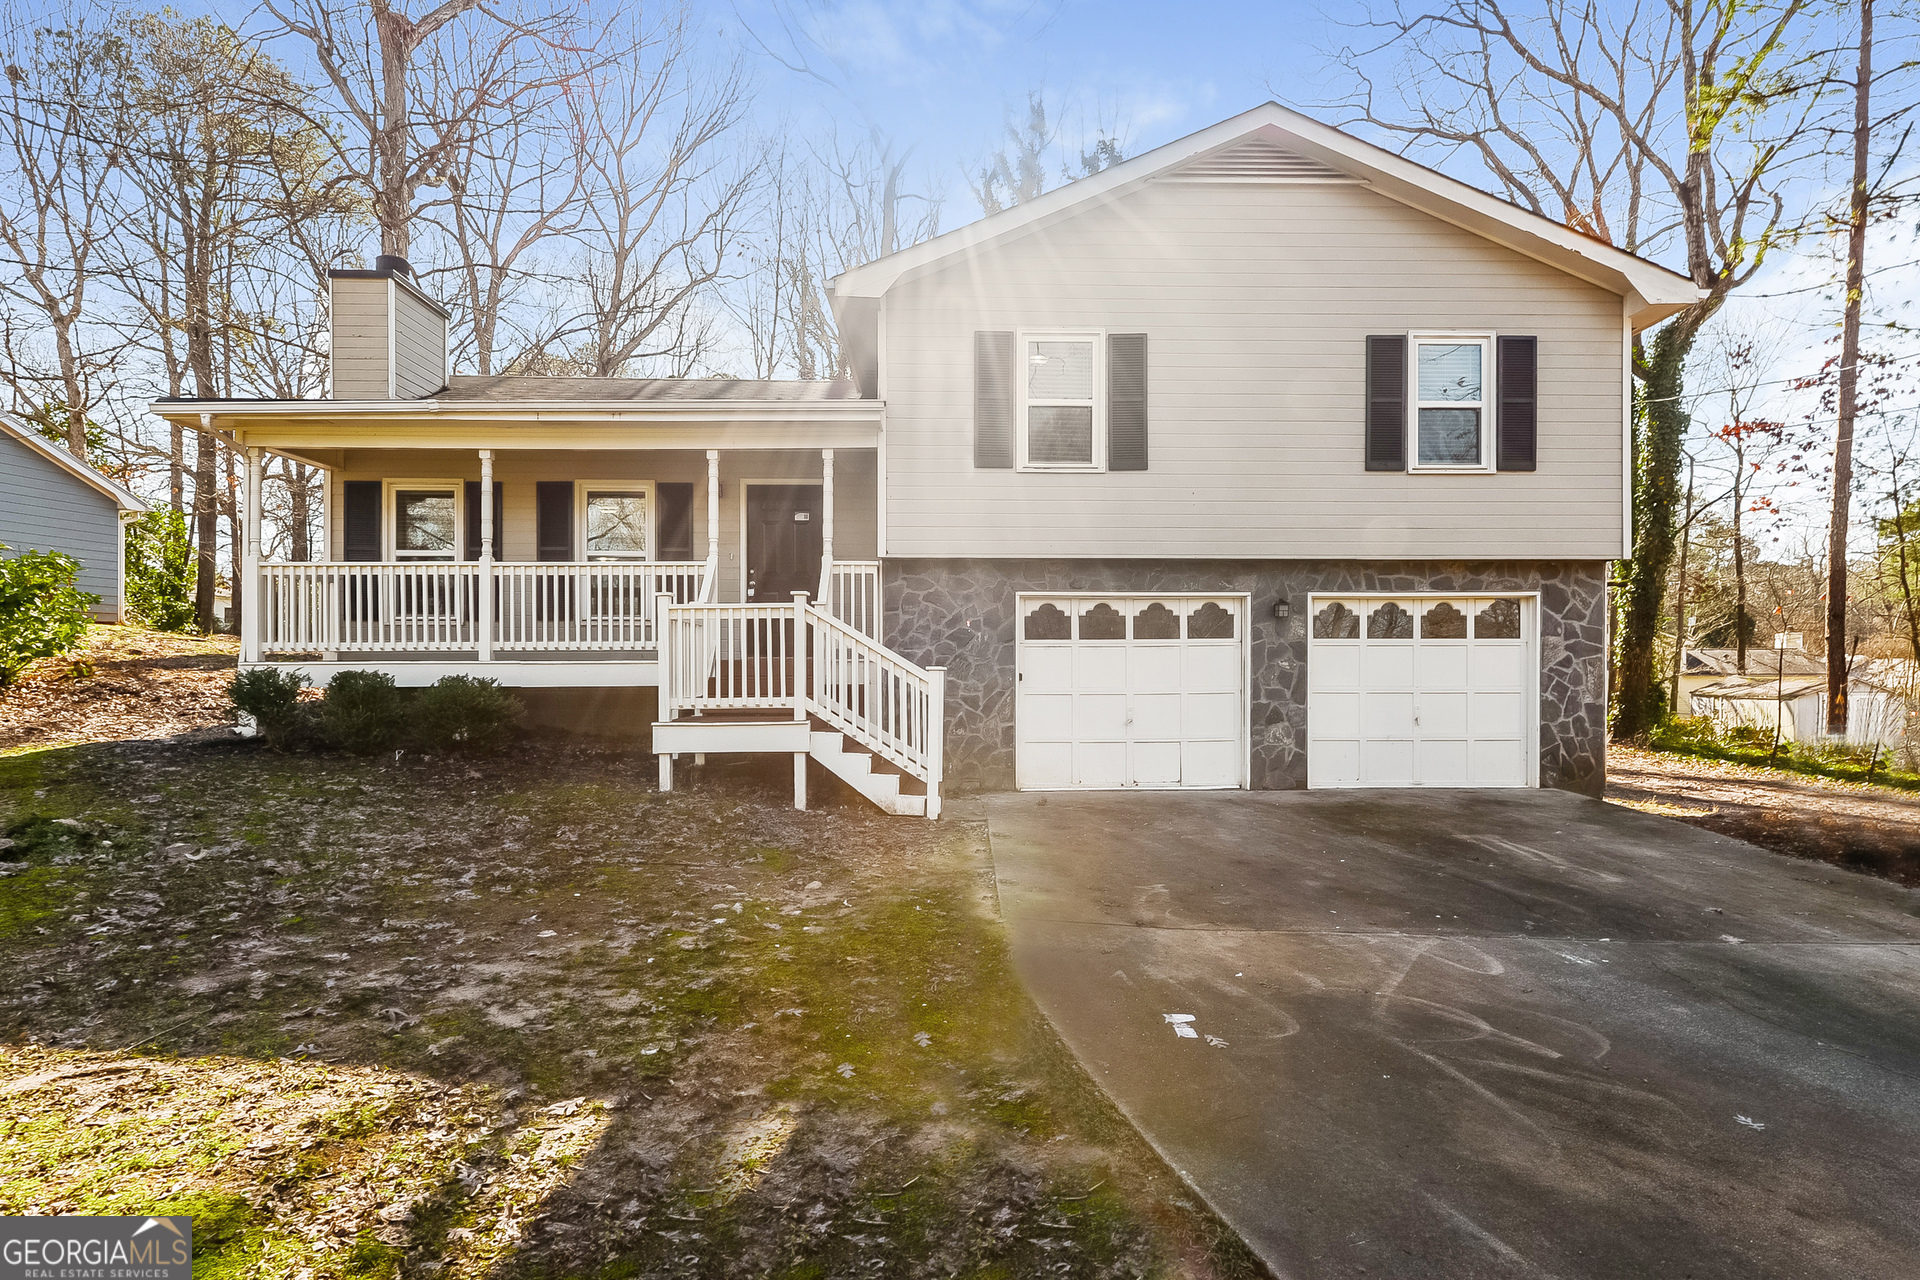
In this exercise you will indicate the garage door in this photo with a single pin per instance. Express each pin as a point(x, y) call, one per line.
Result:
point(1422, 691)
point(1130, 691)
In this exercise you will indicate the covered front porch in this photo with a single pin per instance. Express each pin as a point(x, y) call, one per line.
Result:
point(560, 579)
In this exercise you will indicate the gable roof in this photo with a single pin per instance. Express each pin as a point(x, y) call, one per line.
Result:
point(1273, 144)
point(53, 453)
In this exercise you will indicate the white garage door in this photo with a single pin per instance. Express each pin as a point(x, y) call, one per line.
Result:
point(1422, 691)
point(1130, 691)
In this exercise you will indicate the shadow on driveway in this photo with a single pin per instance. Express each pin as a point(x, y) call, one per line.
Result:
point(1466, 1034)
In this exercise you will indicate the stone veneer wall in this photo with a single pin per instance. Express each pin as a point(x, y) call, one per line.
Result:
point(960, 614)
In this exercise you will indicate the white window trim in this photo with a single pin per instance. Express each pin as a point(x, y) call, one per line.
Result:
point(1488, 399)
point(390, 519)
point(1098, 337)
point(583, 487)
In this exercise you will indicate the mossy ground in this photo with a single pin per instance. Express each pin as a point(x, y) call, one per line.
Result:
point(529, 1017)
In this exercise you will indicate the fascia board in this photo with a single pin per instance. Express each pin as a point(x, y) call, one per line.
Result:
point(310, 434)
point(79, 470)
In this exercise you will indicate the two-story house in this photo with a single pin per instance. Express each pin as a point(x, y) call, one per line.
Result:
point(1265, 459)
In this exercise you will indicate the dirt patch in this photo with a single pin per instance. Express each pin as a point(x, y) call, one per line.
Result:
point(1847, 824)
point(788, 1043)
point(123, 683)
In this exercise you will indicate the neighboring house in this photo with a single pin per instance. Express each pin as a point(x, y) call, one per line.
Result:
point(52, 501)
point(1880, 698)
point(1700, 668)
point(1265, 459)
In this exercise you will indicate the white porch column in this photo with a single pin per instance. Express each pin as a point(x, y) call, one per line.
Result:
point(247, 591)
point(713, 508)
point(485, 611)
point(824, 597)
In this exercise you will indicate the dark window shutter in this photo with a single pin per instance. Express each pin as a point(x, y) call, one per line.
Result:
point(674, 521)
point(473, 519)
point(554, 500)
point(1387, 402)
point(1127, 402)
point(360, 519)
point(1518, 425)
point(992, 399)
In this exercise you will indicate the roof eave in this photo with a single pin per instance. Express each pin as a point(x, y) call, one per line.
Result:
point(124, 498)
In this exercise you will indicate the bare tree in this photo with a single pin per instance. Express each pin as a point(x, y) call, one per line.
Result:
point(1653, 123)
point(1874, 142)
point(369, 55)
point(54, 200)
point(664, 205)
point(220, 164)
point(1020, 170)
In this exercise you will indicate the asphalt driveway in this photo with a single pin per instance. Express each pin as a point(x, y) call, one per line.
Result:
point(1466, 1034)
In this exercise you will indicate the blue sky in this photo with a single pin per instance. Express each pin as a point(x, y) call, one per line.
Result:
point(940, 75)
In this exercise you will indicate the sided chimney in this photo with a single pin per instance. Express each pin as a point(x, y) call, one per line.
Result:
point(389, 338)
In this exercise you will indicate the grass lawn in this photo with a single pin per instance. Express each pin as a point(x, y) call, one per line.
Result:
point(528, 1017)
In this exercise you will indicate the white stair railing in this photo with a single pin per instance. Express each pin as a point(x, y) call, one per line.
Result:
point(850, 591)
point(798, 658)
point(887, 704)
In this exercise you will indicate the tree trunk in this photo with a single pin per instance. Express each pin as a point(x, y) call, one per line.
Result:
point(1680, 602)
point(1663, 430)
point(1841, 516)
point(231, 504)
point(1739, 564)
point(206, 526)
point(298, 511)
point(177, 467)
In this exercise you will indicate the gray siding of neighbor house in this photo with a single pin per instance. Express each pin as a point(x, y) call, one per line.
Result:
point(960, 614)
point(419, 346)
point(1257, 300)
point(45, 508)
point(359, 320)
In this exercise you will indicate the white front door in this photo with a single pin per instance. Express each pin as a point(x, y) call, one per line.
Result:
point(1423, 691)
point(1130, 691)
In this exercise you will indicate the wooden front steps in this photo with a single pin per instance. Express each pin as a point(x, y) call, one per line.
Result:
point(731, 731)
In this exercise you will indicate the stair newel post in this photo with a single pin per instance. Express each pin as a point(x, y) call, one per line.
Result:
point(663, 690)
point(936, 729)
point(799, 694)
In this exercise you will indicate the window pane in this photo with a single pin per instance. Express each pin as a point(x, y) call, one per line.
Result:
point(423, 522)
point(1450, 371)
point(617, 525)
point(1059, 434)
point(1060, 370)
point(1449, 437)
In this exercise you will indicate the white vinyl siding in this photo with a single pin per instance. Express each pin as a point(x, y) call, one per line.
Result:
point(419, 346)
point(359, 324)
point(1257, 300)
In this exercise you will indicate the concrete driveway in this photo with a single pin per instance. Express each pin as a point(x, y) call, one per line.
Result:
point(1461, 1034)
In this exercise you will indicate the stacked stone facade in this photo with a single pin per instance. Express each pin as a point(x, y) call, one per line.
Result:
point(960, 614)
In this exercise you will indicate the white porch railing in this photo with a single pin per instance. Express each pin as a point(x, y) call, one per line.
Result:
point(799, 658)
point(850, 591)
point(372, 607)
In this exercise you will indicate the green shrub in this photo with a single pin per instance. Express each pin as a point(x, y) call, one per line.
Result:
point(42, 612)
point(272, 698)
point(460, 713)
point(363, 711)
point(160, 571)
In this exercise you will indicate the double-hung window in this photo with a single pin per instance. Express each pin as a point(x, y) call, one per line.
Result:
point(1451, 412)
point(615, 523)
point(1059, 407)
point(426, 520)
